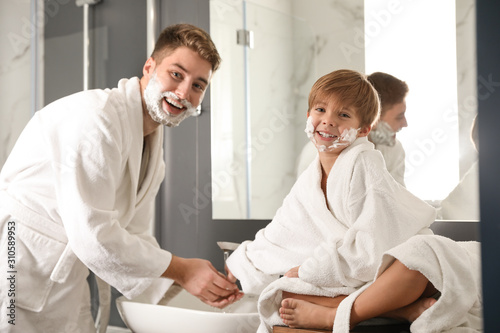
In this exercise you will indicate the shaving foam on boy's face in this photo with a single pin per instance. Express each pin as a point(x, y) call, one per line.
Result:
point(345, 139)
point(154, 98)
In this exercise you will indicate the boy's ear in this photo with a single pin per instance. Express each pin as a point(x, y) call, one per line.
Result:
point(364, 131)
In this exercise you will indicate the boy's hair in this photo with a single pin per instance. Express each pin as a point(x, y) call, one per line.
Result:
point(188, 35)
point(391, 90)
point(352, 90)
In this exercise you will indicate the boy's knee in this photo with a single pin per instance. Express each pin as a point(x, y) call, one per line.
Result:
point(409, 274)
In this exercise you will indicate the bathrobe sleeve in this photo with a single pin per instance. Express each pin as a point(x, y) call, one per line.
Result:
point(276, 249)
point(379, 214)
point(302, 222)
point(90, 152)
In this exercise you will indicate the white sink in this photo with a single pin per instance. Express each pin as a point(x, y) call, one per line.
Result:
point(184, 313)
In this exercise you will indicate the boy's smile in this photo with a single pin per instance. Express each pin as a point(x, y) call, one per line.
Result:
point(326, 135)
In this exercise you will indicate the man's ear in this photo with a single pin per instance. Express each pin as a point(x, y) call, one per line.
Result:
point(149, 67)
point(364, 131)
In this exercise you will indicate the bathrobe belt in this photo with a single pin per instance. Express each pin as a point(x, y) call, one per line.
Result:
point(27, 217)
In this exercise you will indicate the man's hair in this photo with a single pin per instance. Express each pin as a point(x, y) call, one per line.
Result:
point(391, 90)
point(352, 90)
point(188, 35)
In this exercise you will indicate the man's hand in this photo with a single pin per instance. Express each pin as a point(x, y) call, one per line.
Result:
point(202, 280)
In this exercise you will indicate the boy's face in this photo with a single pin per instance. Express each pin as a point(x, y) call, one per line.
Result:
point(335, 126)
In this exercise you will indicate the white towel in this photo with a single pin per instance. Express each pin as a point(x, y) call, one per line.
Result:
point(454, 269)
point(270, 299)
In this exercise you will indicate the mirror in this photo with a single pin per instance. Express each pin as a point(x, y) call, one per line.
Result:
point(273, 53)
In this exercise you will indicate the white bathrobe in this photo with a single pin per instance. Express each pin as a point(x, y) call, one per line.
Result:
point(340, 245)
point(462, 203)
point(73, 186)
point(452, 267)
point(394, 157)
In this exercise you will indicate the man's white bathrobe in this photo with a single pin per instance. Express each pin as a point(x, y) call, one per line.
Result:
point(394, 157)
point(79, 186)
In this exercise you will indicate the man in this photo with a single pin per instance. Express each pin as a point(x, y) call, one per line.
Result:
point(77, 193)
point(392, 92)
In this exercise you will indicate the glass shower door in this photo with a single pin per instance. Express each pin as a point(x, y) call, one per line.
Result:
point(258, 106)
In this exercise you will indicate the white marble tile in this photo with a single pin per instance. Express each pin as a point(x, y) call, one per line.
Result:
point(466, 80)
point(14, 72)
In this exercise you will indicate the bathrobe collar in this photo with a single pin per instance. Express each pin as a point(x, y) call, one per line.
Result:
point(154, 142)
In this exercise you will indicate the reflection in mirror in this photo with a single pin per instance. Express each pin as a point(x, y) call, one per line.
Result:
point(259, 96)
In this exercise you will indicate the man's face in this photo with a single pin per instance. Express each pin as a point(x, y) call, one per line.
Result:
point(395, 116)
point(175, 87)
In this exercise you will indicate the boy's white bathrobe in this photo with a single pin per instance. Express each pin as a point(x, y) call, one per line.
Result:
point(339, 245)
point(75, 190)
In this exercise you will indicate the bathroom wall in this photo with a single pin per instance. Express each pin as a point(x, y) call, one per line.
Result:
point(15, 72)
point(467, 79)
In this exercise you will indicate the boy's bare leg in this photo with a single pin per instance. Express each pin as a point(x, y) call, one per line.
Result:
point(396, 293)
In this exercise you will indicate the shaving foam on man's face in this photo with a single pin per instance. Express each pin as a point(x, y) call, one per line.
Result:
point(383, 134)
point(156, 102)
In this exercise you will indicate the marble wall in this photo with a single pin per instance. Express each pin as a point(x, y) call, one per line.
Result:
point(467, 80)
point(15, 72)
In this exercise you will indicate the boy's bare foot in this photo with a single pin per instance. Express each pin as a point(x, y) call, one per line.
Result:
point(297, 313)
point(412, 311)
point(331, 302)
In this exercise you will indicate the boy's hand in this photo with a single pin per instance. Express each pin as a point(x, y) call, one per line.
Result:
point(293, 273)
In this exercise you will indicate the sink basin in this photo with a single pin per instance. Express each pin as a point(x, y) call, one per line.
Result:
point(181, 312)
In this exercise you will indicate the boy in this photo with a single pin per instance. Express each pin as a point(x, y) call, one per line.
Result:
point(344, 211)
point(347, 221)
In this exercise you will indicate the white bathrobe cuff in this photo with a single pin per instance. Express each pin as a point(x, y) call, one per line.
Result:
point(242, 268)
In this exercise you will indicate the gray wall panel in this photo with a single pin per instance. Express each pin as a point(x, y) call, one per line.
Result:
point(187, 184)
point(488, 55)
